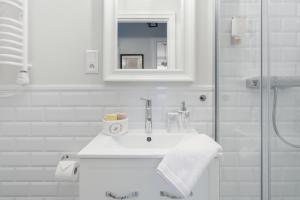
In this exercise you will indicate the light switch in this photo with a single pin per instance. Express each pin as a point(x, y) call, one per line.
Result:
point(92, 66)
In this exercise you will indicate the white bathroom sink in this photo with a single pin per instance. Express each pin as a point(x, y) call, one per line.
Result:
point(135, 144)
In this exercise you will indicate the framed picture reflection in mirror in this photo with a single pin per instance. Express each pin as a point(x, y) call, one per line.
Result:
point(131, 61)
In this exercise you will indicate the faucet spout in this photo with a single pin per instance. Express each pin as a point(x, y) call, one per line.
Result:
point(148, 115)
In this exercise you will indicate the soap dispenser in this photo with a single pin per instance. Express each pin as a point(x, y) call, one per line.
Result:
point(184, 117)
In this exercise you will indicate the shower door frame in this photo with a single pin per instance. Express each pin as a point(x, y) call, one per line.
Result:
point(265, 103)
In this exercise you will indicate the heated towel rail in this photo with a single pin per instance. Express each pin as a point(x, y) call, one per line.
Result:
point(14, 37)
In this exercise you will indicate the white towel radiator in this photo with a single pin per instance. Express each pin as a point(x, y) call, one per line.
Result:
point(14, 37)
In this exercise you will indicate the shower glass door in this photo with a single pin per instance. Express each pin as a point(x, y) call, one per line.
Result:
point(258, 98)
point(283, 72)
point(238, 107)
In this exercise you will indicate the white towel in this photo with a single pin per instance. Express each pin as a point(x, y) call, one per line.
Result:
point(183, 165)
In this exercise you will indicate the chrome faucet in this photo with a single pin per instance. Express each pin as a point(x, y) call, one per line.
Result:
point(148, 115)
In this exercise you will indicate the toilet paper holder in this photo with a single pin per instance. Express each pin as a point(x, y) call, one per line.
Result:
point(68, 156)
point(68, 167)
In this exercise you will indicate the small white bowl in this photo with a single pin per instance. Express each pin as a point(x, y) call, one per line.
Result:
point(115, 128)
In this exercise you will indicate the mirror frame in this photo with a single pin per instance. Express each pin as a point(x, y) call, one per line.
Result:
point(175, 72)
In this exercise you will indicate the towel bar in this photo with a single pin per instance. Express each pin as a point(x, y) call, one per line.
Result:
point(14, 38)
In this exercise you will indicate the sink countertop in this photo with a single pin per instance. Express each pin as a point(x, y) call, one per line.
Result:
point(133, 145)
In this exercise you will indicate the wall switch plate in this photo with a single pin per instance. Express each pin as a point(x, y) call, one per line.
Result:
point(92, 66)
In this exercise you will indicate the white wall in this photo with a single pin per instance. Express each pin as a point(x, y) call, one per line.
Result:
point(61, 31)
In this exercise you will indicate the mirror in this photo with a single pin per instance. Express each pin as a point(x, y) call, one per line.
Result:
point(146, 41)
point(142, 45)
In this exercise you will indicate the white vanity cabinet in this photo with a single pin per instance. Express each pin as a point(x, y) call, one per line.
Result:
point(124, 167)
point(102, 179)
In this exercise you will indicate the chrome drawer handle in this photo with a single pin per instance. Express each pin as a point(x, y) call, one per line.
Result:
point(172, 196)
point(128, 196)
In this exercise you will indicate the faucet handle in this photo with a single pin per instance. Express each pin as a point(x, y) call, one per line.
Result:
point(148, 101)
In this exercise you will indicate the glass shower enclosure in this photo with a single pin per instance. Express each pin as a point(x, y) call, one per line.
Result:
point(258, 98)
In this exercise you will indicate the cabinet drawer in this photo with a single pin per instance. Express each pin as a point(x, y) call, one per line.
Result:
point(164, 191)
point(113, 183)
point(138, 180)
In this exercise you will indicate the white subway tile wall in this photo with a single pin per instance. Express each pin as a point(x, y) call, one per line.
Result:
point(240, 107)
point(38, 125)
